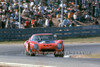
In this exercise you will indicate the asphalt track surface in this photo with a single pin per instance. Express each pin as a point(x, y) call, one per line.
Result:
point(16, 54)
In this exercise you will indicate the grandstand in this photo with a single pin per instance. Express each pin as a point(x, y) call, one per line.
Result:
point(48, 13)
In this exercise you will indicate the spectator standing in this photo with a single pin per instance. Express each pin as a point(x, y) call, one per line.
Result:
point(15, 5)
point(36, 2)
point(75, 16)
point(27, 23)
point(55, 12)
point(51, 24)
point(25, 12)
point(93, 9)
point(96, 22)
point(4, 6)
point(3, 21)
point(99, 7)
point(16, 13)
point(21, 6)
point(0, 24)
point(32, 22)
point(1, 12)
point(47, 22)
point(12, 25)
point(41, 9)
point(16, 18)
point(8, 23)
point(66, 22)
point(40, 22)
point(80, 7)
point(35, 23)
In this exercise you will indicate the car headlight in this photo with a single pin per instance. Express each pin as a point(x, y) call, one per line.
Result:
point(35, 46)
point(59, 46)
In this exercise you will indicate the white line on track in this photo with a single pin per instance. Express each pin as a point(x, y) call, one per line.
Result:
point(5, 64)
point(66, 56)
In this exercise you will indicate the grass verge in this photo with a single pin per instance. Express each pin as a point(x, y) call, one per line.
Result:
point(11, 42)
point(82, 40)
point(86, 56)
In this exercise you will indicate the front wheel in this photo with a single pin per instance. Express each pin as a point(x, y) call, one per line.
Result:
point(55, 55)
point(26, 53)
point(60, 54)
point(30, 52)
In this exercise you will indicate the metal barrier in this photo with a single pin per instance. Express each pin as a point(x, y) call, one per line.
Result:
point(24, 34)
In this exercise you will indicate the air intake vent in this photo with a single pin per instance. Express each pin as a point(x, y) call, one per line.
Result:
point(47, 50)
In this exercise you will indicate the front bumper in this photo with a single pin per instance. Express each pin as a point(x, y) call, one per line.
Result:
point(48, 51)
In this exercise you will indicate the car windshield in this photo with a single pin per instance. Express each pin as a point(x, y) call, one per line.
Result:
point(43, 37)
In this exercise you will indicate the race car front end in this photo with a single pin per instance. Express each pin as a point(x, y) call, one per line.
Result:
point(48, 48)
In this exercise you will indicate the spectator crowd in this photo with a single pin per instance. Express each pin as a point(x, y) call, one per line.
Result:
point(43, 13)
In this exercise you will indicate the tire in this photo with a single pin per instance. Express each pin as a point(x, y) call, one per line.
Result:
point(62, 55)
point(55, 55)
point(27, 53)
point(30, 52)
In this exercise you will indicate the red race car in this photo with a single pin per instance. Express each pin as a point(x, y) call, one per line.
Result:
point(44, 43)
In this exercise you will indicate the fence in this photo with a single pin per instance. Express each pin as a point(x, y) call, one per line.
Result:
point(24, 34)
